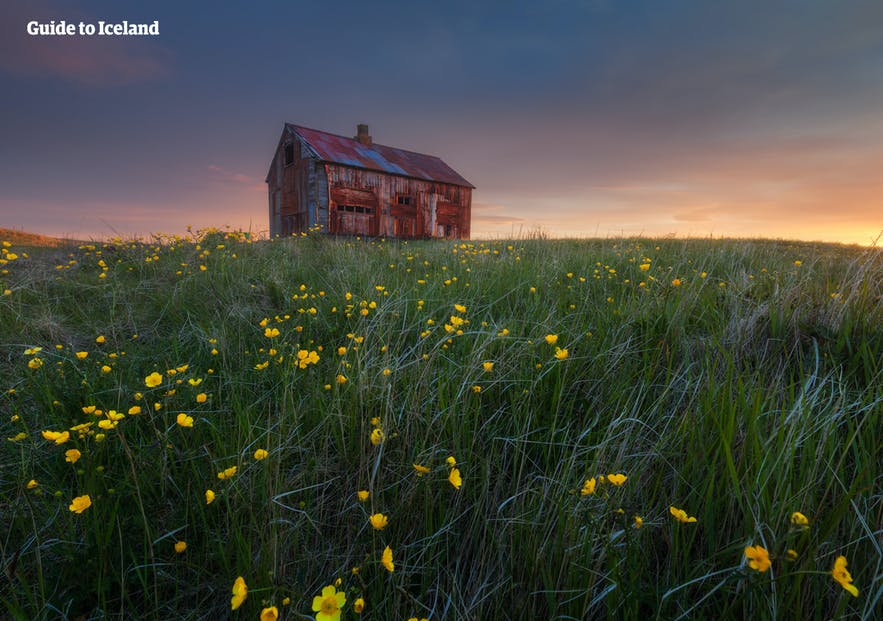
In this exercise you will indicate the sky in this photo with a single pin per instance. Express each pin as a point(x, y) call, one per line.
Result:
point(574, 118)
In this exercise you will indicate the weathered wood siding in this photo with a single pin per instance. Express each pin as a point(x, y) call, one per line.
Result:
point(435, 209)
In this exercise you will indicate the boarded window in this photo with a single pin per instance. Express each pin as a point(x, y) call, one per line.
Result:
point(289, 153)
point(404, 199)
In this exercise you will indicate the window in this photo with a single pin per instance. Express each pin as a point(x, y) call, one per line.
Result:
point(355, 209)
point(404, 199)
point(289, 153)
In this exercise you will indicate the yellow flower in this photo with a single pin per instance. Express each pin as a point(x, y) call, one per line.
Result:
point(791, 554)
point(329, 604)
point(676, 282)
point(341, 379)
point(561, 354)
point(386, 560)
point(81, 355)
point(153, 380)
point(454, 478)
point(476, 389)
point(798, 263)
point(21, 435)
point(359, 606)
point(639, 521)
point(362, 495)
point(680, 515)
point(270, 614)
point(378, 521)
point(551, 339)
point(487, 366)
point(271, 333)
point(644, 267)
point(134, 410)
point(226, 474)
point(377, 436)
point(459, 308)
point(240, 592)
point(341, 351)
point(106, 369)
point(59, 437)
point(80, 504)
point(798, 519)
point(421, 470)
point(72, 455)
point(842, 575)
point(32, 484)
point(35, 363)
point(616, 479)
point(184, 420)
point(180, 547)
point(209, 496)
point(260, 454)
point(759, 558)
point(589, 487)
point(451, 461)
point(100, 338)
point(201, 397)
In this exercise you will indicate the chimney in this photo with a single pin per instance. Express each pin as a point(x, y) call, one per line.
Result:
point(362, 136)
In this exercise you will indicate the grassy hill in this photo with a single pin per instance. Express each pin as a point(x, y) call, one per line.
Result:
point(511, 429)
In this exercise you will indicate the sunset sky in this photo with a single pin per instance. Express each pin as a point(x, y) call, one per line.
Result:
point(577, 117)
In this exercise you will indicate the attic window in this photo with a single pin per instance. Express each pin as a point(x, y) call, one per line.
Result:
point(404, 199)
point(289, 153)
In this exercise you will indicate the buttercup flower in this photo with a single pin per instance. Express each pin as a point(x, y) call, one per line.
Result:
point(680, 515)
point(82, 355)
point(209, 496)
point(80, 504)
point(260, 454)
point(487, 366)
point(798, 519)
point(386, 560)
point(759, 558)
point(32, 484)
point(589, 487)
point(180, 547)
point(639, 521)
point(377, 436)
point(240, 592)
point(72, 455)
point(201, 397)
point(271, 333)
point(153, 380)
point(362, 495)
point(359, 606)
point(329, 604)
point(616, 479)
point(185, 421)
point(842, 576)
point(421, 470)
point(455, 479)
point(561, 354)
point(270, 614)
point(226, 474)
point(378, 521)
point(551, 339)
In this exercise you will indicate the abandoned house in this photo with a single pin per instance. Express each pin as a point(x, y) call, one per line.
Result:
point(352, 186)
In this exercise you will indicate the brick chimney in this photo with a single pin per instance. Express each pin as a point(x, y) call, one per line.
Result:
point(362, 134)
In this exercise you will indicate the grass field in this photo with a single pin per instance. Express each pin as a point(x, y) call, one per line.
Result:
point(535, 422)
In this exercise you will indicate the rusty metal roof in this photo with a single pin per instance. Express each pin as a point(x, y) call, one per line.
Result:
point(350, 152)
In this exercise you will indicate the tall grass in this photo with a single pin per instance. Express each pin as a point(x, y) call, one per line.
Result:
point(739, 381)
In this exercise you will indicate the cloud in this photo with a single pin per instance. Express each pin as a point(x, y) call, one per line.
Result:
point(222, 175)
point(487, 213)
point(93, 61)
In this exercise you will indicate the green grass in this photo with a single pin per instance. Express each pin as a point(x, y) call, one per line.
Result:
point(751, 390)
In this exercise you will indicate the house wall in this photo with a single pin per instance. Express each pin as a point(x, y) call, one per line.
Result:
point(437, 209)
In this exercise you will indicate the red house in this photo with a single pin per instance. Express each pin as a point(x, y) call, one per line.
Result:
point(352, 186)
